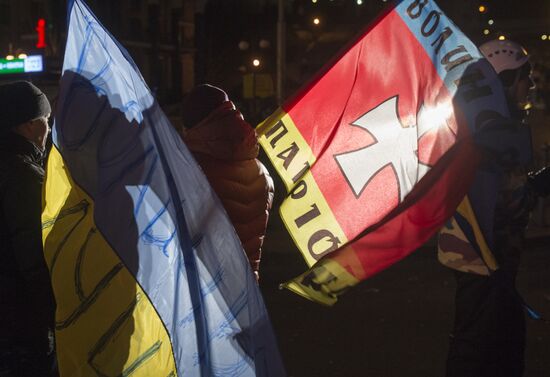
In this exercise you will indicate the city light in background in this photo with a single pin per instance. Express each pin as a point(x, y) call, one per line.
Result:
point(41, 33)
point(22, 64)
point(315, 30)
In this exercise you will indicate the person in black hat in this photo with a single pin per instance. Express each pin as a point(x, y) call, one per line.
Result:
point(226, 148)
point(27, 305)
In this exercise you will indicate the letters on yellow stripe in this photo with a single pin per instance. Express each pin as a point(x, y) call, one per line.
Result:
point(286, 148)
point(105, 323)
point(305, 211)
point(311, 222)
point(323, 283)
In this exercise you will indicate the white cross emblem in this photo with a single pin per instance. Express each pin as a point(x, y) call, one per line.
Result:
point(394, 145)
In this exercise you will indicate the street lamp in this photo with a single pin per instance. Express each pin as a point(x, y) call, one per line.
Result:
point(253, 68)
point(281, 37)
point(316, 21)
point(245, 45)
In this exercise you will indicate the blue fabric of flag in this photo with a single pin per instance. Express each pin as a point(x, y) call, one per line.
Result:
point(155, 208)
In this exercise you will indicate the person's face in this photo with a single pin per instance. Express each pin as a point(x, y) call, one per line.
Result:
point(39, 130)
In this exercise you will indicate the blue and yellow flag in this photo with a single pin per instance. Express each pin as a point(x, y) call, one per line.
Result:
point(467, 242)
point(149, 276)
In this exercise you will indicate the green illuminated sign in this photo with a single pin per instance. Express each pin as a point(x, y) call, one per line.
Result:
point(12, 66)
point(31, 63)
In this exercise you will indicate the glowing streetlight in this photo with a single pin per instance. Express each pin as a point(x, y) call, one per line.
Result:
point(359, 2)
point(486, 31)
point(21, 56)
point(544, 37)
point(482, 9)
point(501, 37)
point(316, 21)
point(10, 57)
point(491, 21)
point(313, 1)
point(256, 62)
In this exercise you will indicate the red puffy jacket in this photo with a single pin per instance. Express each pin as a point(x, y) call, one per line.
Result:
point(226, 147)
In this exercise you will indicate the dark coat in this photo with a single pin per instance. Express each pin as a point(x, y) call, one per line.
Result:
point(226, 147)
point(26, 299)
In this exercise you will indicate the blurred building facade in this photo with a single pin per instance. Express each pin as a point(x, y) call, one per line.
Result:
point(178, 43)
point(159, 34)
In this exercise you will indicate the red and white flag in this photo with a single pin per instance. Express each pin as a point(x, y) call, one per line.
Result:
point(377, 151)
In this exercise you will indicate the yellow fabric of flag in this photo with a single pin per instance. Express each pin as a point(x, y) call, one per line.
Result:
point(103, 317)
point(315, 235)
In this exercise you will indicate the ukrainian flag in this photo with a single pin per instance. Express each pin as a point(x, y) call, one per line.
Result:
point(149, 276)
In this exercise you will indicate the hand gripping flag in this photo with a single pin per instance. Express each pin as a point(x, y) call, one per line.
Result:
point(378, 150)
point(149, 276)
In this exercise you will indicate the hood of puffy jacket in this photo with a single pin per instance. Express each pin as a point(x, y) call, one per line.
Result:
point(223, 135)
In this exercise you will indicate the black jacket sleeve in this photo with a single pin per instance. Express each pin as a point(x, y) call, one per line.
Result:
point(22, 207)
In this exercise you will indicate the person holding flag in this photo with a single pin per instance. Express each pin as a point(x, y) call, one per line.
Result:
point(401, 147)
point(483, 245)
point(27, 305)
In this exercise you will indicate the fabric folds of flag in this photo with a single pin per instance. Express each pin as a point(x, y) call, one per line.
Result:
point(381, 147)
point(149, 276)
point(466, 242)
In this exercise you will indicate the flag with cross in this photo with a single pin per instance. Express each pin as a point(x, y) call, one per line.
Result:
point(377, 151)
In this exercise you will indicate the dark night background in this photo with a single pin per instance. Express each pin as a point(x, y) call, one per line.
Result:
point(397, 323)
point(178, 43)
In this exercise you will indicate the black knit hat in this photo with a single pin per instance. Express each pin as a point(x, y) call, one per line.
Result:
point(21, 101)
point(200, 102)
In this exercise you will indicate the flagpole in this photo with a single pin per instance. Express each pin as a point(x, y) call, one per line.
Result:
point(280, 50)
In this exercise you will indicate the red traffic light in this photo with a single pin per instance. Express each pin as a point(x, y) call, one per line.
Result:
point(41, 33)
